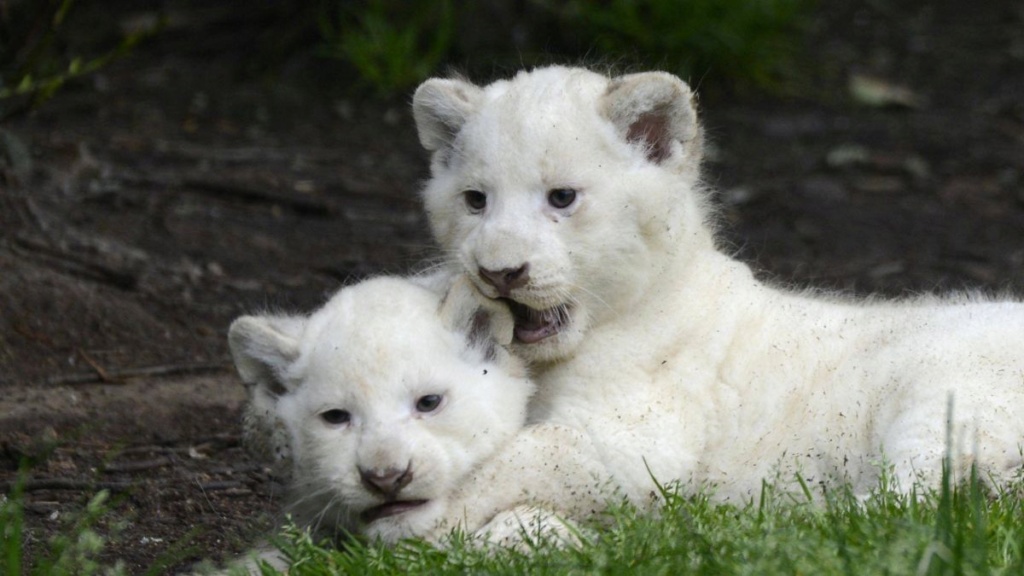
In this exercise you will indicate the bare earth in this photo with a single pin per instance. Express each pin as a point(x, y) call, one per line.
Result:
point(165, 198)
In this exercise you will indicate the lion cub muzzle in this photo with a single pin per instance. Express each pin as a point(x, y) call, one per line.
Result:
point(507, 279)
point(387, 482)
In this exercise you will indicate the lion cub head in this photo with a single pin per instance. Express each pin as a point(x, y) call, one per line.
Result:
point(562, 191)
point(389, 395)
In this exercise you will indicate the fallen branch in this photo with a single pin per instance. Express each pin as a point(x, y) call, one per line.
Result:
point(119, 376)
point(218, 485)
point(122, 273)
point(248, 155)
point(301, 203)
point(217, 441)
point(36, 484)
point(103, 375)
point(137, 466)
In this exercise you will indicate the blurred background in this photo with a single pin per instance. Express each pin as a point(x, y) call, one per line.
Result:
point(167, 166)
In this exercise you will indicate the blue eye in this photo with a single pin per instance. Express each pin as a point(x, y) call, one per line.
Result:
point(336, 417)
point(476, 200)
point(429, 403)
point(561, 197)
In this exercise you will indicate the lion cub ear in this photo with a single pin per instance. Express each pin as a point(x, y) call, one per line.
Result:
point(263, 347)
point(655, 110)
point(441, 107)
point(487, 325)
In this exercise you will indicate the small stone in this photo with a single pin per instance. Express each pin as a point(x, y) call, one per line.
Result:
point(846, 155)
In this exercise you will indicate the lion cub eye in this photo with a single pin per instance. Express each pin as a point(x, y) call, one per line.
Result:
point(561, 197)
point(429, 403)
point(335, 417)
point(476, 201)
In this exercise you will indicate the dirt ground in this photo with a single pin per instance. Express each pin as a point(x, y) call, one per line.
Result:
point(166, 197)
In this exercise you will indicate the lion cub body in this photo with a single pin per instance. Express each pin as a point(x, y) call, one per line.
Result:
point(576, 199)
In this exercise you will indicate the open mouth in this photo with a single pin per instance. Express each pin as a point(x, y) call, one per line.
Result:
point(535, 325)
point(389, 509)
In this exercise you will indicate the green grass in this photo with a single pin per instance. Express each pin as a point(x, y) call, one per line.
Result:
point(74, 551)
point(961, 531)
point(34, 59)
point(394, 45)
point(951, 531)
point(747, 42)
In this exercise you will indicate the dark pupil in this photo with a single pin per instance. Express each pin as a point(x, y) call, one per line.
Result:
point(476, 200)
point(561, 197)
point(335, 416)
point(428, 403)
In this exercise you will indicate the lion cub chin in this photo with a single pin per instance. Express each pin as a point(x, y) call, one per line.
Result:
point(385, 398)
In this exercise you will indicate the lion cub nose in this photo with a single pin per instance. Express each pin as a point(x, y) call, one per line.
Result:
point(507, 279)
point(387, 482)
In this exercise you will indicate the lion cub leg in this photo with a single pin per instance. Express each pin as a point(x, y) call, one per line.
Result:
point(526, 527)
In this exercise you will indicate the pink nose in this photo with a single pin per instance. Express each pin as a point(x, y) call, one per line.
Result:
point(387, 482)
point(507, 279)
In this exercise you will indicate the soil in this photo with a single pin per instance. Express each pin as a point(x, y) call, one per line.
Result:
point(169, 194)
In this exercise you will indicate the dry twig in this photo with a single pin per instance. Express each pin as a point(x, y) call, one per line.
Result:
point(116, 376)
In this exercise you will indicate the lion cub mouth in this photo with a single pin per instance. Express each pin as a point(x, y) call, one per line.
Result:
point(389, 509)
point(535, 325)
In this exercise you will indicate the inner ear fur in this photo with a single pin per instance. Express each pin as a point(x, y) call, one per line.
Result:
point(656, 111)
point(441, 107)
point(263, 347)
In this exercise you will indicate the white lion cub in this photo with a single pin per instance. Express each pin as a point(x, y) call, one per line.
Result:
point(576, 199)
point(389, 395)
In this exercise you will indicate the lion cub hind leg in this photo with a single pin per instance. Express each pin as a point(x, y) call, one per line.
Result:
point(250, 564)
point(527, 527)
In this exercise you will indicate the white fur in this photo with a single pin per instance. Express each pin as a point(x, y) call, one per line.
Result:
point(676, 361)
point(374, 351)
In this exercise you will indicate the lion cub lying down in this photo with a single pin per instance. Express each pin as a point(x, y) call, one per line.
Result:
point(389, 396)
point(576, 200)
